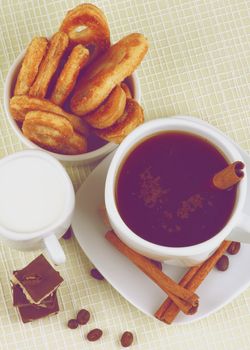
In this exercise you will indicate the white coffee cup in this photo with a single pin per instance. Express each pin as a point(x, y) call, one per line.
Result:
point(37, 202)
point(182, 256)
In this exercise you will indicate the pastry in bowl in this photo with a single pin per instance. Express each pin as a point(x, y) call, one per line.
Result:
point(68, 80)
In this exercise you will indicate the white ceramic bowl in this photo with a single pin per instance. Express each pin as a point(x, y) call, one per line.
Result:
point(67, 160)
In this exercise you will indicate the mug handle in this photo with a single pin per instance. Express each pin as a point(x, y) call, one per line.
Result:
point(54, 249)
point(242, 232)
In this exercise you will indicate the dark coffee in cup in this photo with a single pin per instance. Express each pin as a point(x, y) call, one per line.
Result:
point(164, 192)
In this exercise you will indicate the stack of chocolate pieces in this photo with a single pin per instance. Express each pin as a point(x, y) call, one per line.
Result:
point(34, 290)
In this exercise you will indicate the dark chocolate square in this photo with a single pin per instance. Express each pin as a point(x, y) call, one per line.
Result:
point(20, 300)
point(38, 280)
point(33, 312)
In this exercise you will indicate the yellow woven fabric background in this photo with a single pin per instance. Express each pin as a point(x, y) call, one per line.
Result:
point(198, 64)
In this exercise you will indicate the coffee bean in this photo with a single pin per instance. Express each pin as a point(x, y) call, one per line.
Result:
point(94, 335)
point(68, 234)
point(156, 263)
point(96, 274)
point(72, 324)
point(233, 248)
point(83, 317)
point(127, 339)
point(223, 263)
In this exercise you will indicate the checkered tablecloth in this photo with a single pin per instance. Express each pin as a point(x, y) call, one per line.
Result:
point(198, 64)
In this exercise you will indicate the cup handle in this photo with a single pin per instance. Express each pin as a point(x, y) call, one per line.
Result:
point(242, 232)
point(54, 249)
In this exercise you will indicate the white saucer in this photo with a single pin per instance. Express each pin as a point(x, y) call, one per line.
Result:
point(217, 290)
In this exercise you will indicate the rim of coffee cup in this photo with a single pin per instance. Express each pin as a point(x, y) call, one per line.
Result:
point(69, 203)
point(70, 160)
point(150, 128)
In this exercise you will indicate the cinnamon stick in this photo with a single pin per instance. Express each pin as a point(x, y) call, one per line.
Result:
point(168, 312)
point(185, 299)
point(184, 306)
point(229, 176)
point(183, 282)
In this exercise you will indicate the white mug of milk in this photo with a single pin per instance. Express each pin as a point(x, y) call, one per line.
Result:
point(36, 202)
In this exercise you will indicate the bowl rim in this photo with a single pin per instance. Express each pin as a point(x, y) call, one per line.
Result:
point(84, 157)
